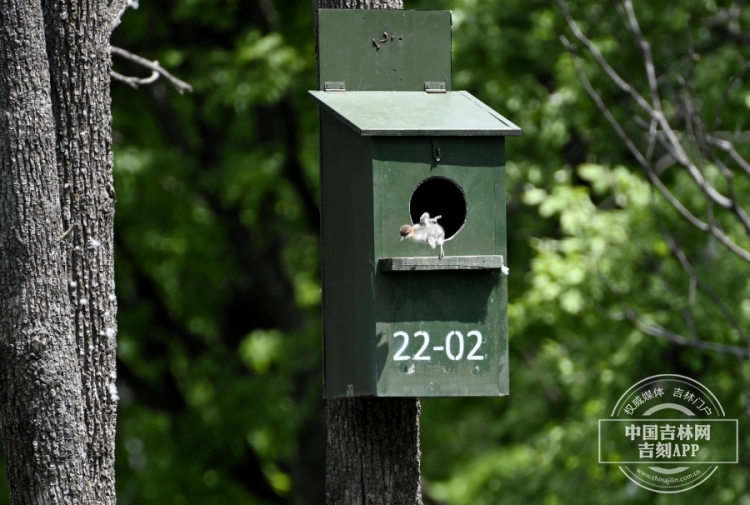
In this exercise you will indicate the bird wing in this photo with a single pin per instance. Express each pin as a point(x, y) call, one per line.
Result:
point(439, 233)
point(431, 241)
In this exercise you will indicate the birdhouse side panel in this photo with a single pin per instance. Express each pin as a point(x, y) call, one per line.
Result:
point(501, 247)
point(501, 227)
point(347, 257)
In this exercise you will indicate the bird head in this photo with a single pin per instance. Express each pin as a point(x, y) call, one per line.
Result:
point(406, 231)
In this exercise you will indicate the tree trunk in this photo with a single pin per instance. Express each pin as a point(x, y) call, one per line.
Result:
point(372, 454)
point(78, 50)
point(57, 305)
point(41, 407)
point(372, 457)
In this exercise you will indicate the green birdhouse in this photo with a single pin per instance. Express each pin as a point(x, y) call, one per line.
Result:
point(413, 213)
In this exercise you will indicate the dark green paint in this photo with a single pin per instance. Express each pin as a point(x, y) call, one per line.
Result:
point(366, 186)
point(415, 113)
point(440, 302)
point(472, 163)
point(376, 148)
point(347, 236)
point(347, 52)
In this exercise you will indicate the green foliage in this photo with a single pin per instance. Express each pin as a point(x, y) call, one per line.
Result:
point(218, 261)
point(588, 233)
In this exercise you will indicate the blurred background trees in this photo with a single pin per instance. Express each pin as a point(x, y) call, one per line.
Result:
point(218, 261)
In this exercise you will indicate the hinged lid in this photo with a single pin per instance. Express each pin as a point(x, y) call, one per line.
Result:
point(409, 113)
point(434, 87)
point(335, 87)
point(384, 49)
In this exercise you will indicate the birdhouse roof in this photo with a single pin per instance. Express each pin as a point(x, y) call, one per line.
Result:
point(415, 113)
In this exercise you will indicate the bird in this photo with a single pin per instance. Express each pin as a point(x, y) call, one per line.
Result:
point(427, 231)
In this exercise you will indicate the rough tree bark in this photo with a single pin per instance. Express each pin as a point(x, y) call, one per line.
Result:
point(78, 50)
point(372, 453)
point(372, 456)
point(57, 305)
point(41, 407)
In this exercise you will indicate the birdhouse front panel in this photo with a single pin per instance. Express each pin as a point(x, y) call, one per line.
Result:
point(466, 188)
point(441, 326)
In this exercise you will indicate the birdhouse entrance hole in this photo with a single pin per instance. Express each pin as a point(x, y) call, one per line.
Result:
point(440, 196)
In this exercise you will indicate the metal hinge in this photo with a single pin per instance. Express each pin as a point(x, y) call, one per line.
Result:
point(434, 87)
point(335, 86)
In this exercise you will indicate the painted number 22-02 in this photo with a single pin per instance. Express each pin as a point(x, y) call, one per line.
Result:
point(453, 348)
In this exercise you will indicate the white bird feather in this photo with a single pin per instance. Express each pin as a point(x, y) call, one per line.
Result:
point(427, 231)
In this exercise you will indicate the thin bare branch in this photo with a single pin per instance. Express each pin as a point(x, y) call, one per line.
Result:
point(699, 142)
point(682, 258)
point(658, 331)
point(702, 142)
point(674, 143)
point(626, 87)
point(691, 120)
point(651, 139)
point(686, 310)
point(134, 82)
point(729, 148)
point(679, 155)
point(155, 68)
point(668, 140)
point(708, 150)
point(656, 108)
point(664, 163)
point(601, 105)
point(116, 10)
point(630, 144)
point(653, 178)
point(726, 23)
point(648, 59)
